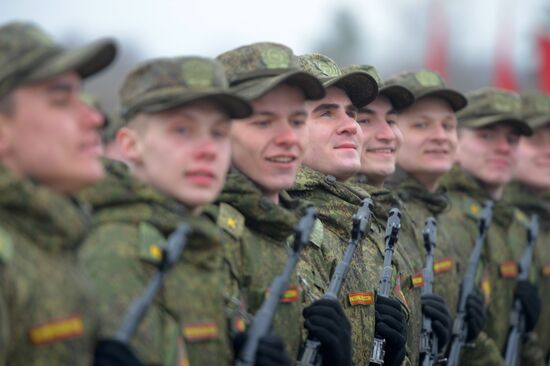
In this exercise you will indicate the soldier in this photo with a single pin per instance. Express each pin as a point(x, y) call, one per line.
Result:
point(332, 157)
point(177, 115)
point(489, 131)
point(530, 193)
point(254, 209)
point(382, 140)
point(50, 148)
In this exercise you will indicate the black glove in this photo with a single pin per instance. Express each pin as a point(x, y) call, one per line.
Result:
point(476, 315)
point(110, 352)
point(390, 325)
point(271, 350)
point(528, 294)
point(325, 320)
point(435, 308)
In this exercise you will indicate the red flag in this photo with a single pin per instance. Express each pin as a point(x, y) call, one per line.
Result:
point(543, 46)
point(438, 35)
point(504, 74)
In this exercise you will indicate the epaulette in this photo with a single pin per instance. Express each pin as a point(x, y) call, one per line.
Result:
point(520, 216)
point(230, 220)
point(317, 234)
point(6, 246)
point(151, 243)
point(471, 208)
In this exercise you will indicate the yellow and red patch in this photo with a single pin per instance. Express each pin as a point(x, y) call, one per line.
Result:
point(55, 330)
point(417, 280)
point(508, 269)
point(443, 265)
point(196, 332)
point(291, 294)
point(486, 287)
point(239, 324)
point(361, 298)
point(546, 270)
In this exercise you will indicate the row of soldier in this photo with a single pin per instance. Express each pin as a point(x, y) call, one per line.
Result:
point(237, 150)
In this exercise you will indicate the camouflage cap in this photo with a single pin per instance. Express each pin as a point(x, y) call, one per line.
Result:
point(167, 83)
point(535, 108)
point(487, 106)
point(359, 85)
point(28, 54)
point(427, 83)
point(256, 69)
point(399, 96)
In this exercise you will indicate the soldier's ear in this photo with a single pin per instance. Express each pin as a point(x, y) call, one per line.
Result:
point(129, 143)
point(6, 131)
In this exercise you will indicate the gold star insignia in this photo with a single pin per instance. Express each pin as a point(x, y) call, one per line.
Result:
point(231, 223)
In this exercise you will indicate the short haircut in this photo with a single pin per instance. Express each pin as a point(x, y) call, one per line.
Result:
point(7, 104)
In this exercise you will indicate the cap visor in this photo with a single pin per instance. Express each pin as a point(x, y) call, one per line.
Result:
point(454, 98)
point(399, 96)
point(538, 121)
point(234, 106)
point(255, 88)
point(86, 61)
point(360, 87)
point(521, 126)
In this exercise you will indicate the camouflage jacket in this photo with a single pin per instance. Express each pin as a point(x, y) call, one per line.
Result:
point(522, 197)
point(131, 224)
point(504, 246)
point(409, 253)
point(337, 202)
point(47, 313)
point(257, 232)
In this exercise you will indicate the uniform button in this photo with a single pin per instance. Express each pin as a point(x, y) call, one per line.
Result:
point(266, 203)
point(330, 179)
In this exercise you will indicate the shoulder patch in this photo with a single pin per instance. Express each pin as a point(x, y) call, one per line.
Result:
point(231, 220)
point(471, 208)
point(521, 217)
point(151, 243)
point(317, 234)
point(6, 246)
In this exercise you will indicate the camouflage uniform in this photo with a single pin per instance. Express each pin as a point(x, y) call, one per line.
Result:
point(257, 231)
point(49, 312)
point(337, 202)
point(47, 308)
point(131, 224)
point(408, 254)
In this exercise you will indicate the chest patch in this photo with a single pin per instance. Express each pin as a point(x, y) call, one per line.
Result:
point(361, 298)
point(199, 332)
point(55, 330)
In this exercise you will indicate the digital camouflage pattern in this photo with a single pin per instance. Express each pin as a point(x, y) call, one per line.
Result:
point(490, 105)
point(360, 86)
point(519, 195)
point(505, 244)
point(428, 83)
point(28, 54)
point(408, 253)
point(257, 233)
point(131, 222)
point(47, 308)
point(535, 108)
point(161, 84)
point(337, 202)
point(256, 69)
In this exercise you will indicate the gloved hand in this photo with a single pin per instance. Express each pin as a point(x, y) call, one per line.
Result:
point(476, 315)
point(528, 294)
point(435, 308)
point(110, 352)
point(390, 325)
point(325, 320)
point(271, 350)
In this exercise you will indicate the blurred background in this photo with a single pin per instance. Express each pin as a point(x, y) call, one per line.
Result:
point(472, 43)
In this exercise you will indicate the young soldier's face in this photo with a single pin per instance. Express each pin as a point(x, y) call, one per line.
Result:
point(182, 152)
point(268, 147)
point(534, 159)
point(430, 137)
point(489, 153)
point(381, 139)
point(335, 138)
point(52, 136)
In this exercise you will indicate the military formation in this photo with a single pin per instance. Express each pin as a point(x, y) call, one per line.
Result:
point(266, 208)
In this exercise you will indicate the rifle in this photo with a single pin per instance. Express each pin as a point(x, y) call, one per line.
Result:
point(392, 229)
point(517, 318)
point(311, 355)
point(428, 338)
point(460, 327)
point(261, 324)
point(171, 255)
